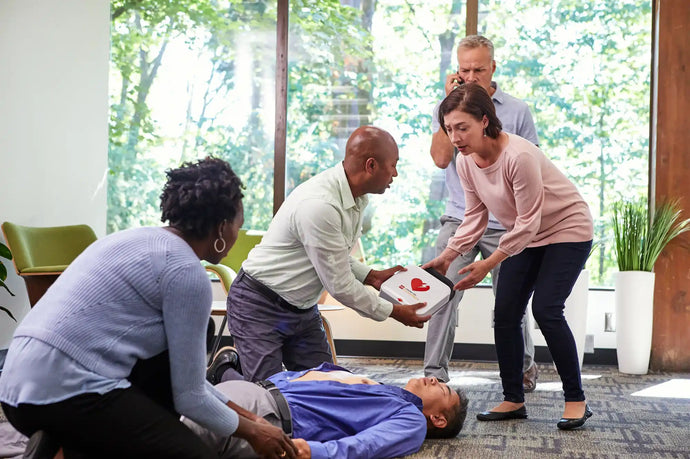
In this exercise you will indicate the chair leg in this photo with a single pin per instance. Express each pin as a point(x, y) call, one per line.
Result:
point(216, 343)
point(329, 337)
point(36, 286)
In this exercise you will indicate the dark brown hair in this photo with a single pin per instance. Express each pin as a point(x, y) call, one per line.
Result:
point(472, 99)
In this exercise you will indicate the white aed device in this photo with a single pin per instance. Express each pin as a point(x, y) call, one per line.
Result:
point(417, 285)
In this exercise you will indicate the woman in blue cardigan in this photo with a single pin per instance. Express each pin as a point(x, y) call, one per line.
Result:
point(84, 367)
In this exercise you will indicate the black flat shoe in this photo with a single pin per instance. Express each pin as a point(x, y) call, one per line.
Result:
point(520, 413)
point(570, 423)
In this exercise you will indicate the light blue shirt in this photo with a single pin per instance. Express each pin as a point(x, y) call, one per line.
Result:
point(308, 244)
point(516, 119)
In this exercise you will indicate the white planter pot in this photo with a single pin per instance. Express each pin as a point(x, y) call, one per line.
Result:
point(634, 315)
point(576, 312)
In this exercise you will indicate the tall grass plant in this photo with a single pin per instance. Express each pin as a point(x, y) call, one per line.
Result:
point(641, 239)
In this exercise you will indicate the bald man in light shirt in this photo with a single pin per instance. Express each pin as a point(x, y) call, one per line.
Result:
point(272, 312)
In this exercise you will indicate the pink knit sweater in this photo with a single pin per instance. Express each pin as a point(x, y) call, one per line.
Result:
point(529, 196)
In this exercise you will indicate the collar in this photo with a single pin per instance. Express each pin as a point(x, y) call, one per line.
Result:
point(499, 95)
point(345, 190)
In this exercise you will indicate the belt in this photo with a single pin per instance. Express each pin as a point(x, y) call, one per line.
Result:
point(242, 276)
point(281, 402)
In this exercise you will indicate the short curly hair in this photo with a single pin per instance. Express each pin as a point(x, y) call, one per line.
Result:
point(200, 195)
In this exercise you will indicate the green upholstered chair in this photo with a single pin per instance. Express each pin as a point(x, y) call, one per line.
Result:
point(41, 254)
point(226, 271)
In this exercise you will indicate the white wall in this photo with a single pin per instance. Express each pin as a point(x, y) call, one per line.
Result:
point(474, 322)
point(54, 57)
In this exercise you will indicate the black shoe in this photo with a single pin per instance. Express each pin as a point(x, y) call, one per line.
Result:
point(520, 413)
point(570, 423)
point(226, 358)
point(41, 446)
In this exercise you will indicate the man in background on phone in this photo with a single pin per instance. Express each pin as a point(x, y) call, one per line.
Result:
point(476, 64)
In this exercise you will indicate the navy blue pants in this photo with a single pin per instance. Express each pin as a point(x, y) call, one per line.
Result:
point(548, 272)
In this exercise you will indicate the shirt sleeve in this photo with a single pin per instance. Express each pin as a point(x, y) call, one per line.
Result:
point(186, 308)
point(400, 435)
point(319, 226)
point(435, 123)
point(524, 173)
point(476, 217)
point(526, 129)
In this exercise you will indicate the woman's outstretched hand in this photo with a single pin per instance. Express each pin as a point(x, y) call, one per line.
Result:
point(442, 262)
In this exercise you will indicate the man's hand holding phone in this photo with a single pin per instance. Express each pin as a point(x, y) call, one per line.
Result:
point(453, 81)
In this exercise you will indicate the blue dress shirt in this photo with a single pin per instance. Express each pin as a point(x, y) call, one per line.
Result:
point(353, 420)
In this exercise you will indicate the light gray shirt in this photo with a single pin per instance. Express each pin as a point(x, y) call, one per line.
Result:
point(307, 247)
point(516, 119)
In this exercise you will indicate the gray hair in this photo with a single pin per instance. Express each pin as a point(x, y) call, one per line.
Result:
point(477, 41)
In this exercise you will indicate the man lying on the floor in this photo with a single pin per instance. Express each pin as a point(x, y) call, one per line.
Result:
point(335, 413)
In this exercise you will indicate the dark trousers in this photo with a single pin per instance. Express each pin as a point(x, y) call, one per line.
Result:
point(137, 422)
point(548, 272)
point(268, 332)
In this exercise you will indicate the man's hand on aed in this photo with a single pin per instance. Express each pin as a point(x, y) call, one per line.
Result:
point(406, 314)
point(476, 272)
point(303, 449)
point(376, 278)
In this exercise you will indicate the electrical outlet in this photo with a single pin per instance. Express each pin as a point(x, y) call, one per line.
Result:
point(609, 322)
point(589, 344)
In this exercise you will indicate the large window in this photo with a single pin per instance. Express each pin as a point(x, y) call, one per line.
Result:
point(190, 79)
point(197, 77)
point(584, 68)
point(372, 63)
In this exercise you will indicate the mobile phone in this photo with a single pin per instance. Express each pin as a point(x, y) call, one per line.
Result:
point(457, 82)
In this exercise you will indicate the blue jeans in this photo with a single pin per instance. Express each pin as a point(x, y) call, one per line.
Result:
point(548, 272)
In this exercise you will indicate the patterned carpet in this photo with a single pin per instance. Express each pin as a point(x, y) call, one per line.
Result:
point(623, 426)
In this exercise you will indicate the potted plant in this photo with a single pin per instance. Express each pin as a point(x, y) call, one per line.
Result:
point(640, 238)
point(5, 253)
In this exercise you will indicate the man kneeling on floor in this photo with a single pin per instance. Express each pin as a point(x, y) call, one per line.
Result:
point(335, 413)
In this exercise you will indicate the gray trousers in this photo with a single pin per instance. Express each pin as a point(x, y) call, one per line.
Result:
point(250, 397)
point(268, 336)
point(440, 334)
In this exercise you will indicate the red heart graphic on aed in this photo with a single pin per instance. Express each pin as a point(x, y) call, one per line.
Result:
point(418, 285)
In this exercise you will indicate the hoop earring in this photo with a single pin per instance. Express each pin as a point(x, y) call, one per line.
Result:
point(215, 245)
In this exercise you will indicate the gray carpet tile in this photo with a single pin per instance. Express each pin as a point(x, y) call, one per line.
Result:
point(623, 425)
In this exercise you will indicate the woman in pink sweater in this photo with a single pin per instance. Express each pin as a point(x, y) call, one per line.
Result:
point(548, 239)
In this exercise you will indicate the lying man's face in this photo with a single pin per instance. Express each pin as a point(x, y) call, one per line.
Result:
point(436, 396)
point(444, 408)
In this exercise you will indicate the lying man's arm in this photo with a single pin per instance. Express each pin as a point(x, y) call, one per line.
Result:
point(401, 434)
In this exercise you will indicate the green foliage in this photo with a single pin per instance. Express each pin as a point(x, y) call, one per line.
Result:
point(641, 239)
point(192, 78)
point(5, 253)
point(584, 69)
